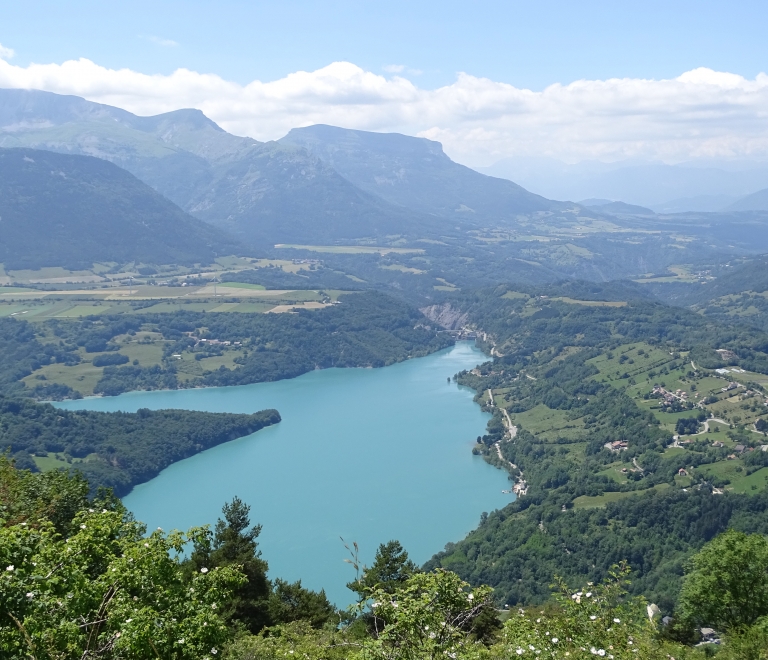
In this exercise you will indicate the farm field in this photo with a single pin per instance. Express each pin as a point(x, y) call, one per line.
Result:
point(350, 249)
point(549, 424)
point(590, 502)
point(35, 305)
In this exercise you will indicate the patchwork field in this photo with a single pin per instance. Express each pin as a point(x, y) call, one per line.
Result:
point(350, 249)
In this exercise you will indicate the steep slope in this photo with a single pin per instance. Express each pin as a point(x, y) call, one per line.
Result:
point(755, 202)
point(263, 192)
point(416, 173)
point(72, 211)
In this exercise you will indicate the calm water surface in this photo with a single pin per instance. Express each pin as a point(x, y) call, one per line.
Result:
point(365, 454)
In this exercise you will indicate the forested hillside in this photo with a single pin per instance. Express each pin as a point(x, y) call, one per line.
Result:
point(117, 450)
point(74, 211)
point(192, 349)
point(608, 412)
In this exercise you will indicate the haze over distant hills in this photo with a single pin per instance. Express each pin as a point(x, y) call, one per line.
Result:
point(325, 185)
point(755, 202)
point(318, 184)
point(72, 211)
point(662, 188)
point(416, 173)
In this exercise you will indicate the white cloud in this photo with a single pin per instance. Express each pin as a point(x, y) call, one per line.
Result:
point(401, 68)
point(167, 43)
point(6, 53)
point(702, 113)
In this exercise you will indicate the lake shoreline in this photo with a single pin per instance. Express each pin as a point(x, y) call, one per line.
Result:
point(334, 466)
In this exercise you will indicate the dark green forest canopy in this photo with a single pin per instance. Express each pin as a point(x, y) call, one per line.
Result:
point(363, 330)
point(520, 549)
point(119, 450)
point(545, 344)
point(538, 320)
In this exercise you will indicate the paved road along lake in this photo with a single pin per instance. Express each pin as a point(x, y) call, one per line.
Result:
point(365, 454)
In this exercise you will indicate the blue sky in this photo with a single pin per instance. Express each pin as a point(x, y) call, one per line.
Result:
point(527, 44)
point(673, 81)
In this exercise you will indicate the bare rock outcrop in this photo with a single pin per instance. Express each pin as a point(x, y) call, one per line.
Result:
point(445, 316)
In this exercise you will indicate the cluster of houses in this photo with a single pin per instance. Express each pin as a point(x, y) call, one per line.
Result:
point(730, 386)
point(669, 397)
point(617, 445)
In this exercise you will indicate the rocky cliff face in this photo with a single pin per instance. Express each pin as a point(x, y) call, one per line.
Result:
point(445, 316)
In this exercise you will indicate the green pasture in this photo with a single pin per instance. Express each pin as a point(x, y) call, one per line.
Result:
point(81, 377)
point(241, 285)
point(734, 470)
point(549, 424)
point(403, 269)
point(613, 471)
point(147, 354)
point(53, 462)
point(591, 502)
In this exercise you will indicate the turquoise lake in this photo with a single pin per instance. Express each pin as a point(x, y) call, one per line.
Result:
point(364, 454)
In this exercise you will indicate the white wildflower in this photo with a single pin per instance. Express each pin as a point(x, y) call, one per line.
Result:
point(589, 594)
point(30, 594)
point(617, 620)
point(82, 526)
point(10, 568)
point(592, 617)
point(203, 570)
point(555, 640)
point(214, 651)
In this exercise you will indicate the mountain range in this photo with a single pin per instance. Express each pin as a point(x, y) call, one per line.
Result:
point(73, 211)
point(317, 184)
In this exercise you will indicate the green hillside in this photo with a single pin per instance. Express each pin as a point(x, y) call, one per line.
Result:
point(72, 211)
point(625, 440)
